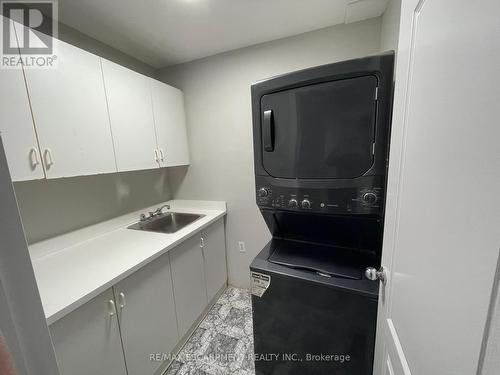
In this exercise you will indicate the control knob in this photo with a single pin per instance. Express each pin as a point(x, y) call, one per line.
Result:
point(293, 203)
point(370, 197)
point(263, 192)
point(306, 203)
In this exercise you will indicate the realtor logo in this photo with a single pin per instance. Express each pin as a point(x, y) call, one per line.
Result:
point(28, 32)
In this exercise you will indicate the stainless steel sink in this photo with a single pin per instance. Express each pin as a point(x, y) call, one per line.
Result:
point(169, 222)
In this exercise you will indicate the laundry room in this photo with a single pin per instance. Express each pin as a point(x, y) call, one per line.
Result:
point(249, 187)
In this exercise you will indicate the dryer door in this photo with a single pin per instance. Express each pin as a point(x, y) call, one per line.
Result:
point(321, 131)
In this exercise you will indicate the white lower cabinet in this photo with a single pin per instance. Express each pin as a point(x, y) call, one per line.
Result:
point(146, 312)
point(188, 277)
point(214, 256)
point(144, 316)
point(87, 341)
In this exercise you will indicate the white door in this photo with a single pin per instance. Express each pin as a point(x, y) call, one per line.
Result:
point(131, 114)
point(16, 126)
point(71, 116)
point(442, 236)
point(146, 312)
point(170, 123)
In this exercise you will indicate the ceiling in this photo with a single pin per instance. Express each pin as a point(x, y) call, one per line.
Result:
point(167, 32)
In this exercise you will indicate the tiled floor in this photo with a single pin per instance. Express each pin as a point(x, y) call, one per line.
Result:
point(223, 343)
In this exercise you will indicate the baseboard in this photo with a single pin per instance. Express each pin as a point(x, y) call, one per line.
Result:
point(164, 366)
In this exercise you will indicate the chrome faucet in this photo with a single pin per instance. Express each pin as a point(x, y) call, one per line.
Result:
point(159, 210)
point(154, 213)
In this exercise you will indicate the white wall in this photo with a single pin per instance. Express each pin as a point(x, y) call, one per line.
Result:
point(217, 98)
point(389, 32)
point(87, 43)
point(52, 207)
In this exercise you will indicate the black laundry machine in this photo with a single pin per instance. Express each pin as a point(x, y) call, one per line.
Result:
point(321, 139)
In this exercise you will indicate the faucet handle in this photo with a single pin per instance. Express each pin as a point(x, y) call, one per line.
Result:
point(154, 213)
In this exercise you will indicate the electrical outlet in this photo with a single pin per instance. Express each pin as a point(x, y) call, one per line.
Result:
point(241, 246)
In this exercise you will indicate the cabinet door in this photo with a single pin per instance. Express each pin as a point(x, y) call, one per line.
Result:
point(188, 282)
point(16, 127)
point(131, 115)
point(87, 341)
point(170, 123)
point(146, 312)
point(70, 113)
point(214, 255)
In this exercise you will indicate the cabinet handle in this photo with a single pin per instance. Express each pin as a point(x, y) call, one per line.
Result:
point(161, 154)
point(34, 157)
point(156, 156)
point(49, 160)
point(111, 308)
point(121, 300)
point(268, 131)
point(202, 242)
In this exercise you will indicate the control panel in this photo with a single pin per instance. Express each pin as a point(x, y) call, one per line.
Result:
point(353, 200)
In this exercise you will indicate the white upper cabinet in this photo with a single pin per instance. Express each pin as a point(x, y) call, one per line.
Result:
point(170, 123)
point(131, 115)
point(70, 114)
point(88, 116)
point(16, 128)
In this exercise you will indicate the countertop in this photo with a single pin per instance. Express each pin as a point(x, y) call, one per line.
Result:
point(74, 268)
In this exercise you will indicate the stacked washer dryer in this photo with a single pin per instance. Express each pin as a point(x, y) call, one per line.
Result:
point(321, 139)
